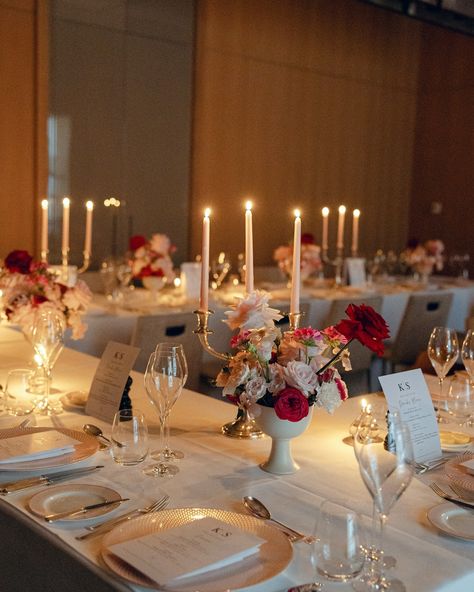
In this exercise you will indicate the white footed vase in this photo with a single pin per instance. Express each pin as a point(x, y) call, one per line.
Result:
point(154, 284)
point(281, 431)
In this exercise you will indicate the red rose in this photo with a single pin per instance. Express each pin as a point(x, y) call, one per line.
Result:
point(291, 404)
point(18, 262)
point(365, 325)
point(307, 238)
point(137, 241)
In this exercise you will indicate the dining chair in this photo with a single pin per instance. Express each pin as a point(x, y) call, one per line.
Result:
point(423, 312)
point(152, 329)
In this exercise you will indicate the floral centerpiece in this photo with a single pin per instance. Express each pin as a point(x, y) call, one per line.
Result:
point(151, 258)
point(294, 370)
point(424, 258)
point(310, 257)
point(27, 286)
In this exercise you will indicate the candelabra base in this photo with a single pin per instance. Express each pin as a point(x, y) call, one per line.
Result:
point(243, 427)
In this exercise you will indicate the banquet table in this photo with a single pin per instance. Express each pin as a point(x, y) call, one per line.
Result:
point(215, 473)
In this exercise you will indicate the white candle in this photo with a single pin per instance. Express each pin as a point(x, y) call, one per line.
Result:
point(206, 228)
point(340, 227)
point(65, 241)
point(44, 230)
point(88, 237)
point(248, 248)
point(324, 241)
point(296, 274)
point(355, 232)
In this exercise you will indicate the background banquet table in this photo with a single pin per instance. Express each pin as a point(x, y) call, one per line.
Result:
point(217, 472)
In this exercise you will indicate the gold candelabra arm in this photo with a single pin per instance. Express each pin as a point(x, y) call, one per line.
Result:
point(85, 263)
point(295, 320)
point(44, 255)
point(203, 333)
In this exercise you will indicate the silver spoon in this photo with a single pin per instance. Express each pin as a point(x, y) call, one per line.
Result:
point(257, 509)
point(93, 430)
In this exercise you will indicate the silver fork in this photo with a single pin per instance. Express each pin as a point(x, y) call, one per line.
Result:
point(460, 492)
point(441, 493)
point(159, 504)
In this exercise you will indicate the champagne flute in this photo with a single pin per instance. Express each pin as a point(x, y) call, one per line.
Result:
point(467, 354)
point(443, 351)
point(47, 338)
point(386, 467)
point(165, 376)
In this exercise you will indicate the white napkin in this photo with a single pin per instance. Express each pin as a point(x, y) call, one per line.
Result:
point(35, 446)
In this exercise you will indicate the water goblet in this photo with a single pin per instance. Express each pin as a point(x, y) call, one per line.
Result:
point(18, 394)
point(443, 351)
point(129, 438)
point(47, 339)
point(165, 376)
point(467, 354)
point(386, 472)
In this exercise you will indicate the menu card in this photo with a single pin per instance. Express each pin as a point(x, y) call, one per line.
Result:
point(407, 393)
point(35, 446)
point(110, 380)
point(189, 550)
point(354, 271)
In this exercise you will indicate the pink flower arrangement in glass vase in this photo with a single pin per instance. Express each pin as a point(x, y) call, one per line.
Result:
point(310, 257)
point(293, 370)
point(151, 258)
point(423, 259)
point(27, 286)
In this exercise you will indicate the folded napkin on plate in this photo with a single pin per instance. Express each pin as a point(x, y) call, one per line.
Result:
point(186, 551)
point(34, 446)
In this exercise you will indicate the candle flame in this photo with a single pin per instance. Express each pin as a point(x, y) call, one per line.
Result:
point(44, 204)
point(325, 212)
point(90, 205)
point(297, 213)
point(207, 212)
point(342, 209)
point(248, 205)
point(66, 202)
point(177, 282)
point(363, 404)
point(111, 201)
point(356, 213)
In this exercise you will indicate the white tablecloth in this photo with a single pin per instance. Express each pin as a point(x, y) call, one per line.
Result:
point(218, 471)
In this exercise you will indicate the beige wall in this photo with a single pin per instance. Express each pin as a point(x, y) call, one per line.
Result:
point(23, 108)
point(308, 104)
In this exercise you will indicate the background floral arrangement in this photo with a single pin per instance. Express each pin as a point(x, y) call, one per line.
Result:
point(294, 370)
point(27, 286)
point(310, 257)
point(423, 259)
point(151, 257)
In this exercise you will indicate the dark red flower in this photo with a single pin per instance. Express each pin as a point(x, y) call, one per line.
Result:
point(365, 325)
point(18, 262)
point(137, 241)
point(307, 238)
point(291, 404)
point(38, 299)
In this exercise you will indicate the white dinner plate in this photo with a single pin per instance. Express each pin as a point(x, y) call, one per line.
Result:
point(459, 474)
point(273, 557)
point(453, 520)
point(74, 401)
point(66, 498)
point(86, 447)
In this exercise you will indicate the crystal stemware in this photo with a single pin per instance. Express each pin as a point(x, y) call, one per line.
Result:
point(443, 351)
point(386, 467)
point(467, 354)
point(47, 339)
point(165, 377)
point(460, 401)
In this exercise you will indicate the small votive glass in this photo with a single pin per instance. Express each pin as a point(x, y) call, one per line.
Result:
point(18, 397)
point(129, 438)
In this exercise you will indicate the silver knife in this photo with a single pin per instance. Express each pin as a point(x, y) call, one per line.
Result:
point(6, 488)
point(83, 509)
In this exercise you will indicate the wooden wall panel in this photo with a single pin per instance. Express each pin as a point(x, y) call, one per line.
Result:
point(303, 104)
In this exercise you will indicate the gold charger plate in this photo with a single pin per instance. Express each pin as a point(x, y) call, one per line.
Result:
point(86, 447)
point(273, 557)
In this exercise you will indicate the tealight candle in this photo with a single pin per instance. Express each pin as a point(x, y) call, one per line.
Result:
point(206, 230)
point(324, 241)
point(296, 272)
point(340, 227)
point(248, 248)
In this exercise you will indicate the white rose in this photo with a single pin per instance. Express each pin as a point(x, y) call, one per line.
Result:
point(300, 376)
point(255, 389)
point(252, 312)
point(328, 396)
point(160, 243)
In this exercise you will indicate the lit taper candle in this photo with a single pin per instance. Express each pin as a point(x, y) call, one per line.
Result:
point(44, 230)
point(324, 240)
point(296, 273)
point(340, 227)
point(88, 236)
point(206, 231)
point(65, 237)
point(355, 232)
point(248, 248)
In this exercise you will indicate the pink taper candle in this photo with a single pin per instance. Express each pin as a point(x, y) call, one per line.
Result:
point(340, 227)
point(65, 237)
point(44, 229)
point(88, 237)
point(248, 248)
point(206, 231)
point(324, 241)
point(355, 231)
point(296, 273)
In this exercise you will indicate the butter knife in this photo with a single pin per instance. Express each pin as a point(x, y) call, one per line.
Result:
point(83, 510)
point(13, 486)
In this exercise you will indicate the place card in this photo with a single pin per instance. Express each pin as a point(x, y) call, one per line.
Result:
point(408, 394)
point(35, 446)
point(354, 271)
point(110, 380)
point(189, 550)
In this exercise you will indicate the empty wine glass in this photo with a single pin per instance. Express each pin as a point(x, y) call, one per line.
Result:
point(467, 354)
point(47, 339)
point(165, 376)
point(460, 400)
point(443, 351)
point(386, 467)
point(220, 267)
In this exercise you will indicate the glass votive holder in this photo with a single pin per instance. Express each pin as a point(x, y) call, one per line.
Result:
point(129, 438)
point(18, 397)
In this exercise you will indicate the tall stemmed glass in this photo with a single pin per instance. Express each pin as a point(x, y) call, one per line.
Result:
point(467, 354)
point(47, 339)
point(165, 377)
point(386, 467)
point(443, 351)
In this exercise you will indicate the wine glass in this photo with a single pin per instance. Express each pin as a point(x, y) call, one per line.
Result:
point(460, 401)
point(165, 376)
point(467, 354)
point(386, 467)
point(47, 339)
point(443, 351)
